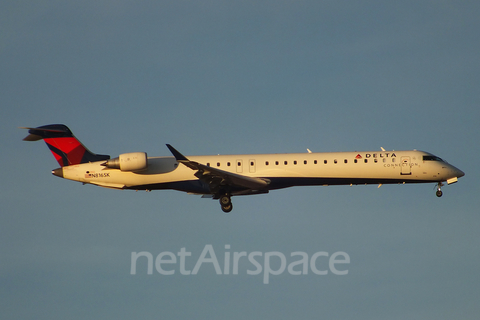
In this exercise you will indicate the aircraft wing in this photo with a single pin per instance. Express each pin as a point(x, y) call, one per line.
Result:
point(221, 177)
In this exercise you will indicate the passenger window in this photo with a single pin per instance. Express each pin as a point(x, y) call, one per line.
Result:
point(393, 159)
point(335, 161)
point(208, 164)
point(304, 161)
point(276, 163)
point(228, 164)
point(324, 161)
point(355, 160)
point(375, 160)
point(366, 160)
point(285, 162)
point(295, 162)
point(239, 164)
point(266, 163)
point(314, 161)
point(218, 164)
point(345, 161)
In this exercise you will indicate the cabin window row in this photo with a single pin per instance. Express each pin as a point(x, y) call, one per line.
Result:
point(295, 162)
point(239, 164)
point(335, 161)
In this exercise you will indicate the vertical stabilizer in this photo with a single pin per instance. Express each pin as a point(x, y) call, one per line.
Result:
point(66, 149)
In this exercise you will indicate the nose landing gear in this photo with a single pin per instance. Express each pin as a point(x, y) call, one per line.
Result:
point(439, 192)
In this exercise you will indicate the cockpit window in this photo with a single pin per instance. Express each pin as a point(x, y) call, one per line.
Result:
point(431, 158)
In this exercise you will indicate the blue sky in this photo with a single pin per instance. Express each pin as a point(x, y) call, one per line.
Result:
point(216, 77)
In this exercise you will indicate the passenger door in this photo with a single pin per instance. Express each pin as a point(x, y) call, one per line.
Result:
point(405, 165)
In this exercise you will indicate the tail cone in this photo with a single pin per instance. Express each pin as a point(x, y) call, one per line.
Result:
point(58, 172)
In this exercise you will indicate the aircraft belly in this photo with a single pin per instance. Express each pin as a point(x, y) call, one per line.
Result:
point(191, 186)
point(284, 182)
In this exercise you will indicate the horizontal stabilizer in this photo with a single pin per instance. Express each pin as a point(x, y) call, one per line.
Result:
point(45, 132)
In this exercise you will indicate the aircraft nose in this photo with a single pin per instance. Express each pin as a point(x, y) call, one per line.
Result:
point(456, 172)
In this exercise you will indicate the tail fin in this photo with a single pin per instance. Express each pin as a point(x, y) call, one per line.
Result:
point(66, 149)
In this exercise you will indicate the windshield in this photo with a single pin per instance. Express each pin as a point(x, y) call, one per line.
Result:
point(431, 158)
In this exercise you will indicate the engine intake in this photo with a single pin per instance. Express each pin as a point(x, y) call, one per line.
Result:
point(134, 161)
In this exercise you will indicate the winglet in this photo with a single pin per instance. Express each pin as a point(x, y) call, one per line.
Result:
point(178, 156)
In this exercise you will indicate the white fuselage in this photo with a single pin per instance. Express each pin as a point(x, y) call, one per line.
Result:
point(281, 170)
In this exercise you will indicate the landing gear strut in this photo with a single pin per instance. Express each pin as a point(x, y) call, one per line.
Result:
point(439, 192)
point(226, 203)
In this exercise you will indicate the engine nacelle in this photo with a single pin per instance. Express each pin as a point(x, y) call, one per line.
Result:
point(134, 161)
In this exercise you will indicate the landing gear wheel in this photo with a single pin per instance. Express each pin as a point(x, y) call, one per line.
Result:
point(225, 200)
point(439, 192)
point(227, 208)
point(226, 203)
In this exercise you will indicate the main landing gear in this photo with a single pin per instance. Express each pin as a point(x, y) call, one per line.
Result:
point(439, 192)
point(226, 203)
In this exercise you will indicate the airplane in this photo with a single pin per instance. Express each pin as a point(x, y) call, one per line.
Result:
point(223, 176)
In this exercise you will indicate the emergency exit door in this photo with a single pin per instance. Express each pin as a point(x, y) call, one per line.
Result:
point(252, 165)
